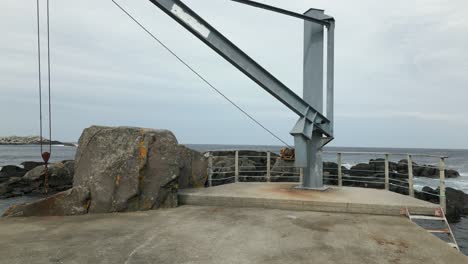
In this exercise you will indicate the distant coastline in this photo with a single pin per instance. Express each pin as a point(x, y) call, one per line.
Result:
point(31, 140)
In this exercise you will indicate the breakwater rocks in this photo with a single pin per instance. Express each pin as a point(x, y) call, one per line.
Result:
point(29, 140)
point(120, 169)
point(29, 179)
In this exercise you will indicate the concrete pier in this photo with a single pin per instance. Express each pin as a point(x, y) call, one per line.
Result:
point(336, 231)
point(285, 196)
point(204, 235)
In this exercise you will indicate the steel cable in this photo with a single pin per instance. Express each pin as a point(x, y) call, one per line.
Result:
point(199, 75)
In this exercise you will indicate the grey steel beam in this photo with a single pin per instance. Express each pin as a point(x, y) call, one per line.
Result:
point(226, 49)
point(331, 73)
point(321, 19)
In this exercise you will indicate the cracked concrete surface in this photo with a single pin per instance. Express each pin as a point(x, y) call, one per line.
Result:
point(202, 234)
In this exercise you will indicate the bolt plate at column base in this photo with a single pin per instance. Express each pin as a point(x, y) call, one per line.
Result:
point(320, 189)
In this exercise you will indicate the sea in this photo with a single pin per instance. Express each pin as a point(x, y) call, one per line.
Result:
point(457, 160)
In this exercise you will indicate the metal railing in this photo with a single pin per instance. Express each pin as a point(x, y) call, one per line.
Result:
point(378, 174)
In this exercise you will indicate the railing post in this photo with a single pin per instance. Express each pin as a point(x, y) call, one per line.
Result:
point(340, 173)
point(443, 202)
point(210, 169)
point(236, 164)
point(410, 176)
point(387, 173)
point(268, 166)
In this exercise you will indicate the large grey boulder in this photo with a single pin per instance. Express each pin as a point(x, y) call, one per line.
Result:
point(74, 201)
point(127, 168)
point(193, 167)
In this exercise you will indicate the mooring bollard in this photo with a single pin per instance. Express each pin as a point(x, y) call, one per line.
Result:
point(340, 173)
point(210, 169)
point(442, 199)
point(387, 173)
point(268, 166)
point(410, 176)
point(236, 169)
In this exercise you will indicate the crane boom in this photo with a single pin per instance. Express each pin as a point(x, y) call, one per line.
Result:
point(234, 55)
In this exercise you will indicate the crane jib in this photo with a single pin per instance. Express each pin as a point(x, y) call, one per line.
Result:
point(234, 55)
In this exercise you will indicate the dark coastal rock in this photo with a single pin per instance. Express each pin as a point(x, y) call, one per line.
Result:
point(74, 201)
point(29, 165)
point(362, 169)
point(433, 172)
point(223, 170)
point(9, 171)
point(379, 165)
point(127, 169)
point(284, 171)
point(252, 165)
point(11, 187)
point(247, 167)
point(451, 174)
point(456, 200)
point(330, 173)
point(258, 157)
point(193, 167)
point(60, 179)
point(60, 176)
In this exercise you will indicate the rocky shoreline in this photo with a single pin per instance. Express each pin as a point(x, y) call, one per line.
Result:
point(30, 140)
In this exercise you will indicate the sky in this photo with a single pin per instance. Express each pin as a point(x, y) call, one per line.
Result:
point(401, 71)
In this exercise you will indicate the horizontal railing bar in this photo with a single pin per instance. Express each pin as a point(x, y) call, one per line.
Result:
point(384, 153)
point(364, 170)
point(363, 181)
point(399, 185)
point(398, 180)
point(365, 177)
point(223, 178)
point(253, 156)
point(428, 193)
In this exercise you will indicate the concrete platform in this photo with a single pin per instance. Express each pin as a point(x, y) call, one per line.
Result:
point(285, 196)
point(217, 235)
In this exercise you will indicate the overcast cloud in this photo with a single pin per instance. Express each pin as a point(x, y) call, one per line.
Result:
point(401, 71)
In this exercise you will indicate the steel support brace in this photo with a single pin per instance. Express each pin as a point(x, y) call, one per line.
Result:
point(314, 129)
point(224, 47)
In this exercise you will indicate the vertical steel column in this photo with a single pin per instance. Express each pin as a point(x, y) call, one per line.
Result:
point(268, 166)
point(442, 198)
point(210, 169)
point(236, 169)
point(331, 73)
point(340, 173)
point(410, 176)
point(313, 95)
point(387, 174)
